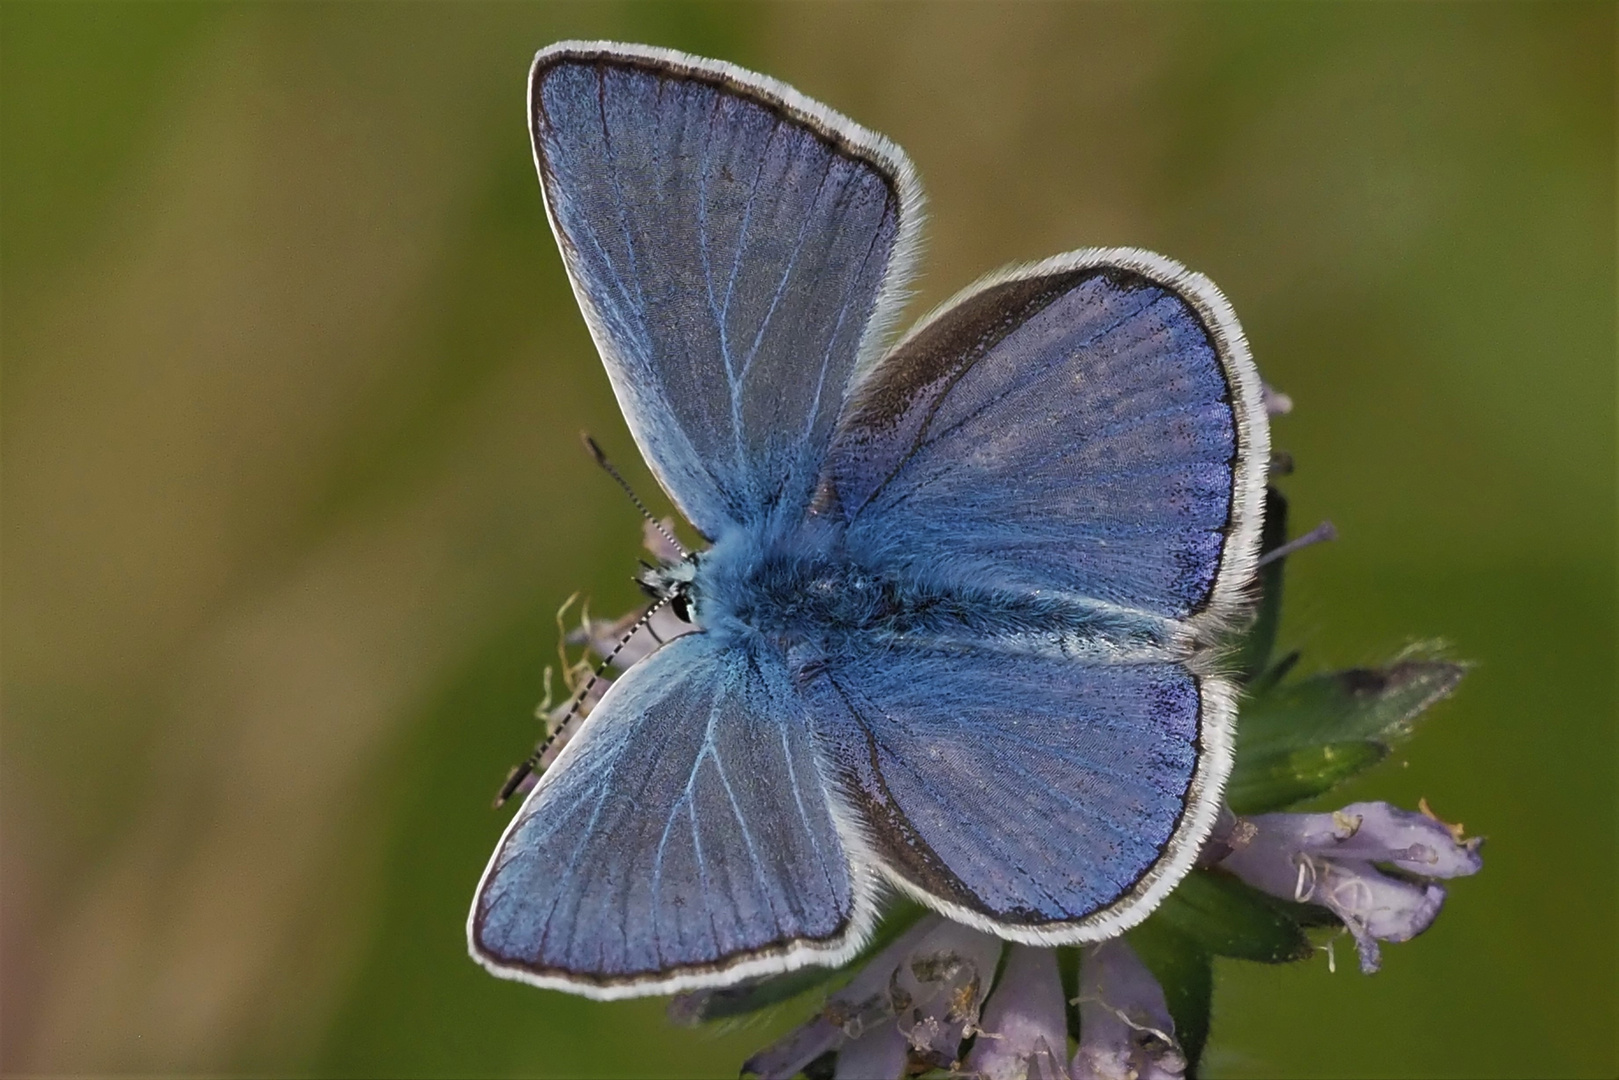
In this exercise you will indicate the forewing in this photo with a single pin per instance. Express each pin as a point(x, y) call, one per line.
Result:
point(1033, 796)
point(734, 246)
point(1091, 426)
point(682, 839)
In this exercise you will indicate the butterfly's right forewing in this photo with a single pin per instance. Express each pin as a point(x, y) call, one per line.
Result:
point(731, 244)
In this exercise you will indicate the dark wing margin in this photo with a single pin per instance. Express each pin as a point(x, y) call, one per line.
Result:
point(738, 250)
point(1034, 798)
point(1091, 425)
point(685, 838)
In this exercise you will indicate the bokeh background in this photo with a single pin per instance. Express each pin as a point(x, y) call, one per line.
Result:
point(292, 487)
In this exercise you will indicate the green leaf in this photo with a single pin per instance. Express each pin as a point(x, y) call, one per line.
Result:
point(1376, 704)
point(1068, 972)
point(1301, 738)
point(1224, 917)
point(1186, 974)
point(1265, 781)
point(728, 1002)
point(1266, 680)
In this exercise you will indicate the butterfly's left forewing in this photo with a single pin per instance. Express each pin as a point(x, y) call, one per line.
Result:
point(737, 251)
point(735, 247)
point(684, 838)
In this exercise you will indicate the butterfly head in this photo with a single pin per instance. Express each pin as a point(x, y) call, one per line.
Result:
point(671, 584)
point(715, 590)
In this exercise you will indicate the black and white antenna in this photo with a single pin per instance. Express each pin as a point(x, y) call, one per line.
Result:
point(521, 772)
point(601, 459)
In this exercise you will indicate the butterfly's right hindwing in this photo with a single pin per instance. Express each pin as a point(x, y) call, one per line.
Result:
point(1090, 427)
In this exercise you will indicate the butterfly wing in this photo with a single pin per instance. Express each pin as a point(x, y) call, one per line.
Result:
point(735, 247)
point(682, 839)
point(1088, 429)
point(1091, 426)
point(1033, 797)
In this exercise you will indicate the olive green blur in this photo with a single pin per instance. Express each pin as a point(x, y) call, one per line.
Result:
point(293, 383)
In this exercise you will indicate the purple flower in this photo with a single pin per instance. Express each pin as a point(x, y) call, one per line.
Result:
point(916, 1003)
point(1125, 1030)
point(916, 1000)
point(658, 538)
point(606, 638)
point(1333, 859)
point(1024, 1031)
point(926, 1001)
point(938, 989)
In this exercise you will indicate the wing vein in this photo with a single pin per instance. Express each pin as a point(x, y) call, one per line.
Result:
point(730, 291)
point(618, 187)
point(786, 274)
point(803, 815)
point(837, 328)
point(742, 824)
point(697, 851)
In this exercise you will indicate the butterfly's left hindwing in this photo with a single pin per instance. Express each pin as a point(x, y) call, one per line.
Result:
point(1037, 797)
point(683, 839)
point(730, 243)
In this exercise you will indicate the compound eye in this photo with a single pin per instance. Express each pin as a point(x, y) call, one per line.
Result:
point(681, 606)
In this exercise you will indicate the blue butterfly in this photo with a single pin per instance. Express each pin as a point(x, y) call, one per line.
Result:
point(957, 618)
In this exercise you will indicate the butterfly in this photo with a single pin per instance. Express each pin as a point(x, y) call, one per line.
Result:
point(955, 632)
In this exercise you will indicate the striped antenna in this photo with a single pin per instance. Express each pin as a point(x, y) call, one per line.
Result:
point(601, 459)
point(521, 772)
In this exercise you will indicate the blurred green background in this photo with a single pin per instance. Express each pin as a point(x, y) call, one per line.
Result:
point(292, 491)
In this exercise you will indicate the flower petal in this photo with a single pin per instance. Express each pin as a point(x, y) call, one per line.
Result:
point(1412, 841)
point(1125, 1030)
point(939, 989)
point(1374, 906)
point(1328, 859)
point(1024, 1033)
point(787, 1056)
point(1366, 831)
point(606, 637)
point(1276, 403)
point(655, 538)
point(864, 1005)
point(1267, 859)
point(879, 1054)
